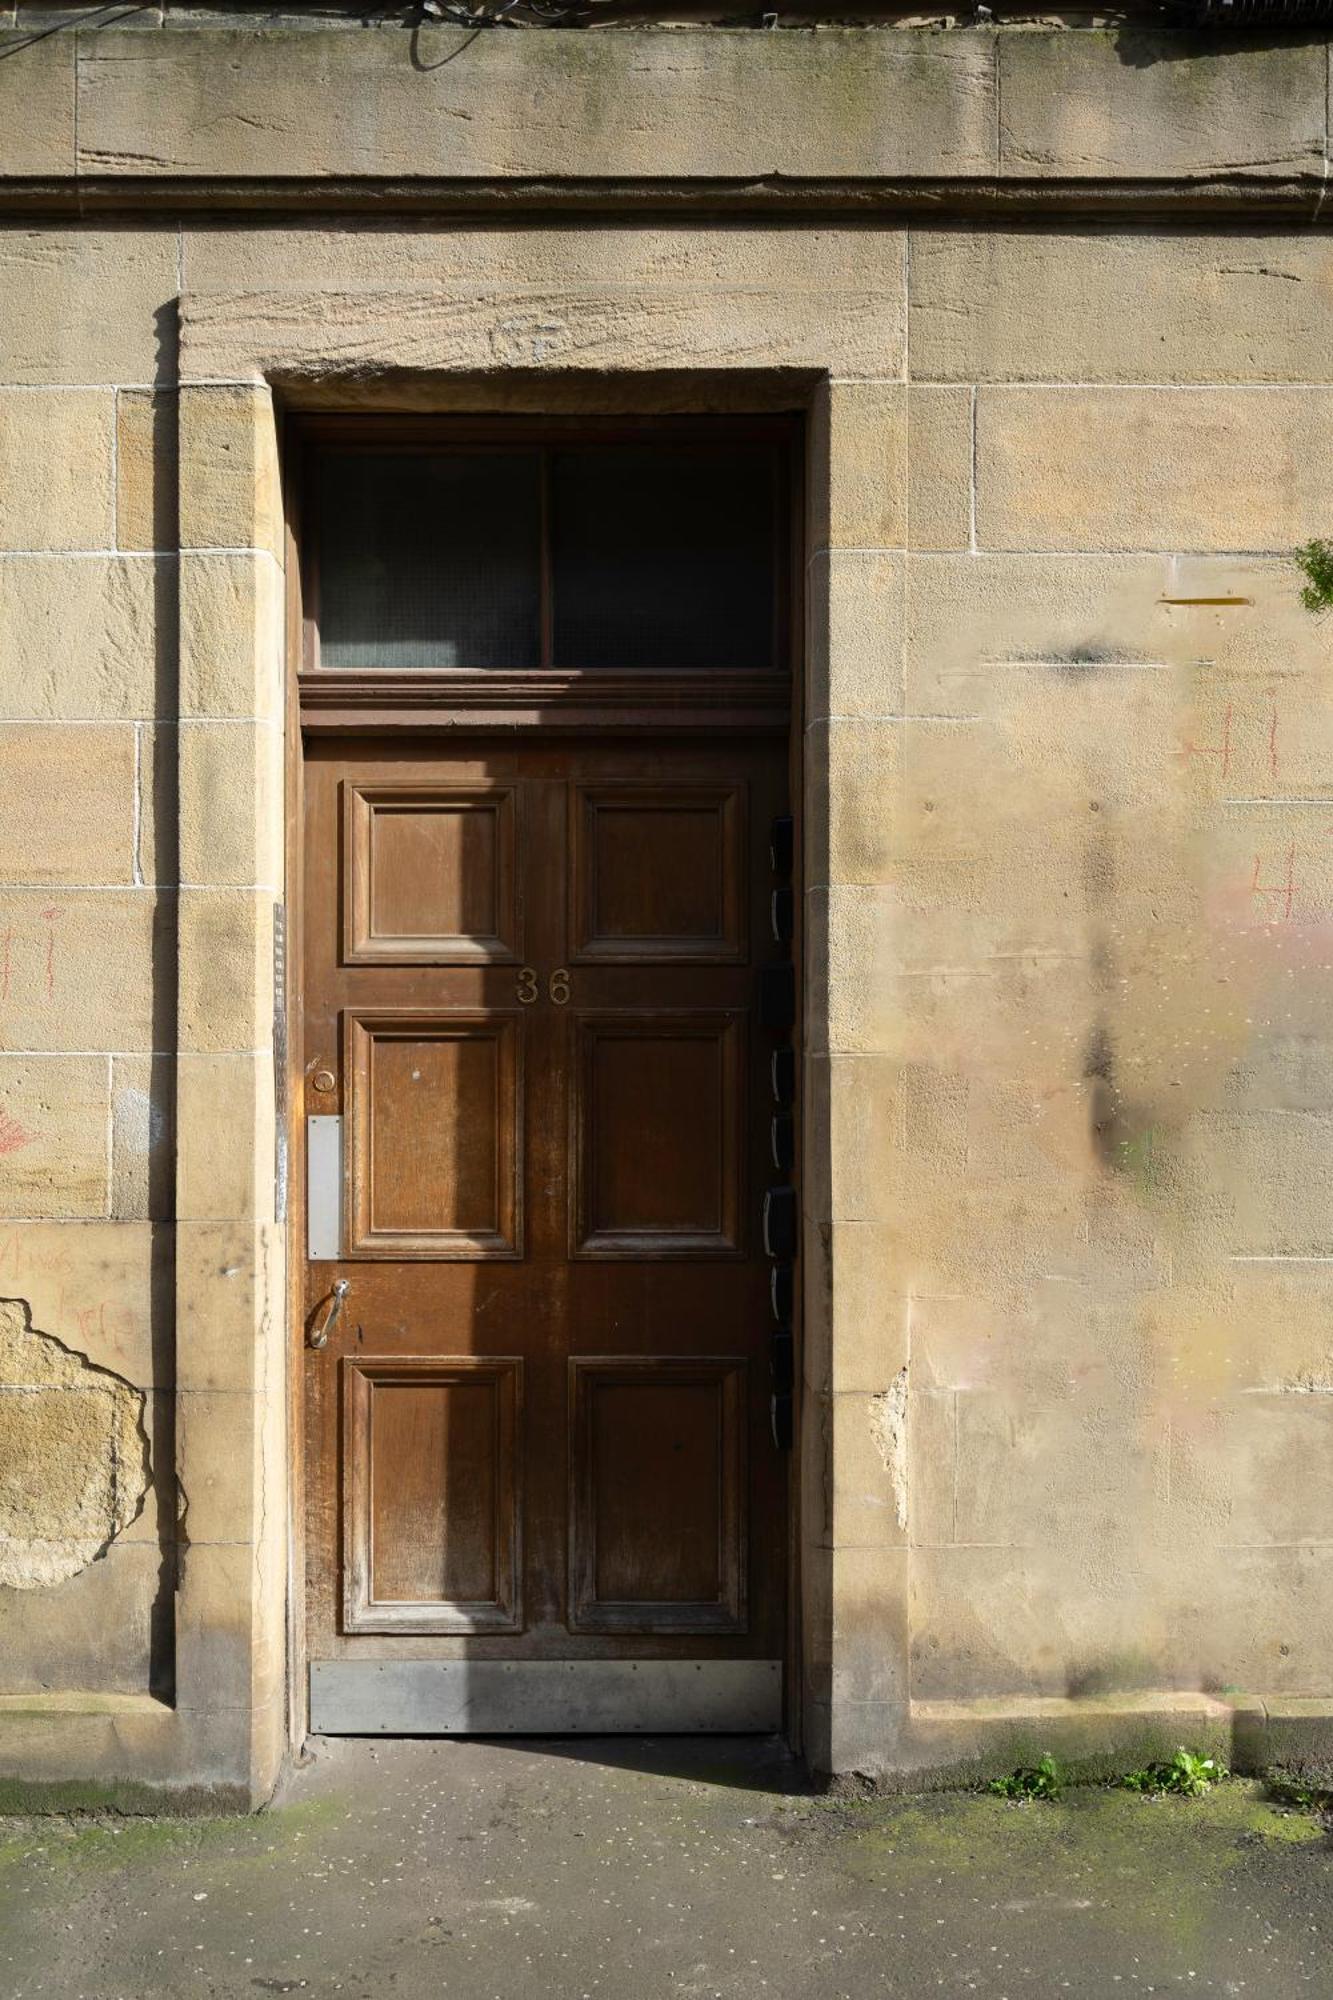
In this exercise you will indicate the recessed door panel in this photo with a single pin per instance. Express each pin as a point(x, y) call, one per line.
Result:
point(429, 874)
point(658, 873)
point(434, 1126)
point(641, 1430)
point(656, 1130)
point(431, 1515)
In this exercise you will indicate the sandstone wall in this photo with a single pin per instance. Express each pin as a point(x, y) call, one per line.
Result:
point(1069, 804)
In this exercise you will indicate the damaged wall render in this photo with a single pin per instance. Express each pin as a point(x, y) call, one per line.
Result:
point(1054, 312)
point(73, 1455)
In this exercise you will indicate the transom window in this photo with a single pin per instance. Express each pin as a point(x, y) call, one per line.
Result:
point(624, 553)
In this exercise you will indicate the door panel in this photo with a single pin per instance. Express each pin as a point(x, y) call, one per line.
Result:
point(638, 1430)
point(429, 874)
point(658, 1120)
point(434, 1134)
point(432, 1518)
point(539, 1432)
point(658, 873)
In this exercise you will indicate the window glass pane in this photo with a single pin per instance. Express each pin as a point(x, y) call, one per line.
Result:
point(663, 556)
point(429, 559)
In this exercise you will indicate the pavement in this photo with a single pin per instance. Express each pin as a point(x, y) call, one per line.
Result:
point(651, 1869)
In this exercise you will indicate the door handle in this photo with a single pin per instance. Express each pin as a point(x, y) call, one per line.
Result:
point(319, 1333)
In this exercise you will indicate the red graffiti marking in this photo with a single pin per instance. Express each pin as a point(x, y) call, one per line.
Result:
point(1222, 749)
point(13, 1136)
point(6, 955)
point(1286, 894)
point(50, 916)
point(1272, 741)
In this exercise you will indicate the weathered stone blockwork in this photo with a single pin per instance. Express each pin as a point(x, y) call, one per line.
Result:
point(1069, 1061)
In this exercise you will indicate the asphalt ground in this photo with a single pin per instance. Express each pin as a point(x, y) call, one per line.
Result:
point(648, 1869)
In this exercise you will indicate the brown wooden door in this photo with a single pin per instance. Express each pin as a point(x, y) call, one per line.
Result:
point(541, 1482)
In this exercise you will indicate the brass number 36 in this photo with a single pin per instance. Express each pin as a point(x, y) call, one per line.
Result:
point(557, 986)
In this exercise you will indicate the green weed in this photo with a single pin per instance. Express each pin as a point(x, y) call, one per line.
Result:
point(1315, 561)
point(1044, 1780)
point(1187, 1774)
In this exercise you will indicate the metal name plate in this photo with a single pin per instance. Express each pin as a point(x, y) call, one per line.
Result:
point(324, 1188)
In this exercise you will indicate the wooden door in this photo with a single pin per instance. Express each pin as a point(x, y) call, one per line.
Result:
point(542, 1486)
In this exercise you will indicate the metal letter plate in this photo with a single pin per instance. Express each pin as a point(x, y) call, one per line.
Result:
point(324, 1188)
point(545, 1697)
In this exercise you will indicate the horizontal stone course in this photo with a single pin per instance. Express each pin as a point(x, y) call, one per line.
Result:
point(1190, 468)
point(1109, 303)
point(644, 103)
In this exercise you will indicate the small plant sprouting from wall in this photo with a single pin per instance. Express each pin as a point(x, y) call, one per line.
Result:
point(1315, 562)
point(1187, 1774)
point(1044, 1780)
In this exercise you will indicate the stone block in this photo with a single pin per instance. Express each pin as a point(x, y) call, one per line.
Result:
point(80, 637)
point(226, 1154)
point(939, 467)
point(159, 762)
point(245, 337)
point(57, 468)
point(101, 1288)
point(36, 106)
point(230, 488)
point(855, 635)
point(1252, 1471)
point(731, 258)
point(230, 637)
point(54, 1115)
point(932, 1460)
point(74, 1458)
point(226, 972)
point(858, 466)
point(1048, 305)
point(870, 1315)
point(870, 1617)
point(83, 304)
point(69, 798)
point(226, 1657)
point(1203, 469)
point(1269, 1622)
point(1074, 106)
point(972, 619)
point(93, 1632)
point(217, 1434)
point(86, 969)
point(1270, 1176)
point(997, 1621)
point(870, 1470)
point(640, 103)
point(853, 799)
point(231, 817)
point(868, 1096)
point(147, 504)
point(142, 1137)
point(230, 1302)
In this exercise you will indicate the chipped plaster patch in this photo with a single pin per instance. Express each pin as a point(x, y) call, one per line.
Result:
point(73, 1455)
point(888, 1427)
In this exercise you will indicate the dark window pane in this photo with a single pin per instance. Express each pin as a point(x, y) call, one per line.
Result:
point(429, 559)
point(663, 557)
